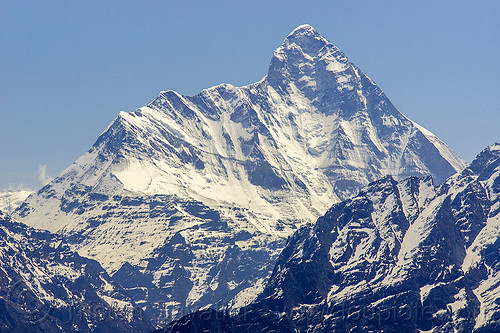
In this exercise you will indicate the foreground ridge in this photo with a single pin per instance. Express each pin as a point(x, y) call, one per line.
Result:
point(191, 198)
point(45, 287)
point(398, 257)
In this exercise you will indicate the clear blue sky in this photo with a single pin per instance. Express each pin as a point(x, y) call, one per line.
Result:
point(68, 67)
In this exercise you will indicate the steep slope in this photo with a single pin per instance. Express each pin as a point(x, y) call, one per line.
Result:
point(45, 287)
point(11, 199)
point(231, 172)
point(398, 257)
point(476, 194)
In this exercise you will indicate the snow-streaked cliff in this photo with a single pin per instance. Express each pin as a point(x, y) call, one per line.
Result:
point(229, 173)
point(403, 256)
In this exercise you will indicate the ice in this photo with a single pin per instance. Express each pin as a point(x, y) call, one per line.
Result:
point(11, 199)
point(269, 158)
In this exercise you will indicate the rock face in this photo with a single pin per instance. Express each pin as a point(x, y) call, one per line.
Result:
point(398, 257)
point(12, 198)
point(193, 196)
point(45, 287)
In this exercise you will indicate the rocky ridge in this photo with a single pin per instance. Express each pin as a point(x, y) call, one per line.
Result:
point(46, 287)
point(398, 257)
point(193, 197)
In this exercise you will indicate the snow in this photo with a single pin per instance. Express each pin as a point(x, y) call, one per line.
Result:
point(48, 273)
point(419, 231)
point(486, 237)
point(455, 161)
point(337, 67)
point(488, 291)
point(488, 294)
point(203, 149)
point(247, 295)
point(303, 28)
point(11, 199)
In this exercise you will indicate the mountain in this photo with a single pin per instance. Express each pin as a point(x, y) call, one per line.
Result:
point(398, 257)
point(45, 287)
point(192, 197)
point(11, 199)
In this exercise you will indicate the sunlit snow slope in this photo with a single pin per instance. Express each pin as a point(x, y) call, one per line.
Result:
point(45, 287)
point(233, 170)
point(398, 257)
point(11, 199)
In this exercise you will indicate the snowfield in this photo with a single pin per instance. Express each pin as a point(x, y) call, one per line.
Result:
point(193, 197)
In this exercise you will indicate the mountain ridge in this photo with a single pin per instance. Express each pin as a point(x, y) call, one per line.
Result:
point(399, 256)
point(230, 173)
point(44, 286)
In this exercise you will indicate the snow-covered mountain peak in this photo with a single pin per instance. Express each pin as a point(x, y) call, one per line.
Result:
point(11, 199)
point(309, 62)
point(307, 38)
point(314, 130)
point(395, 245)
point(486, 158)
point(304, 30)
point(235, 168)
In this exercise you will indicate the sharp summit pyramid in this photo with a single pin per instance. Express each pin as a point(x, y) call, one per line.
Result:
point(192, 197)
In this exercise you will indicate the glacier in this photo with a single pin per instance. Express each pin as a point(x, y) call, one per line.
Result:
point(193, 197)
